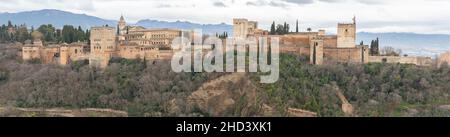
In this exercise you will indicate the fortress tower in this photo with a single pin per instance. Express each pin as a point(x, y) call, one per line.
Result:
point(316, 50)
point(64, 55)
point(346, 35)
point(242, 28)
point(122, 26)
point(103, 45)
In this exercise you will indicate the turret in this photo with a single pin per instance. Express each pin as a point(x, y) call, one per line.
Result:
point(346, 34)
point(122, 26)
point(64, 55)
point(316, 50)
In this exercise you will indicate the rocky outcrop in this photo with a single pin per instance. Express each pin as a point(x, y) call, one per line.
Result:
point(228, 94)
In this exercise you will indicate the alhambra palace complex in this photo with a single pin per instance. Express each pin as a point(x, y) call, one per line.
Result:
point(132, 42)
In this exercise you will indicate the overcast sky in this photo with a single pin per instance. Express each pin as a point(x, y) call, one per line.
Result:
point(419, 16)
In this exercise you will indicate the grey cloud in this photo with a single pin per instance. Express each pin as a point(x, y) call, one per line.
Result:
point(277, 4)
point(256, 3)
point(274, 3)
point(219, 4)
point(284, 3)
point(299, 2)
point(332, 1)
point(370, 2)
point(84, 5)
point(303, 2)
point(164, 6)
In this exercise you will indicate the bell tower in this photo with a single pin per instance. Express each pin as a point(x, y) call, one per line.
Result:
point(122, 26)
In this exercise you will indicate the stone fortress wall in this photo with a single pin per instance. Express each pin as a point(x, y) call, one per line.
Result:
point(444, 58)
point(132, 42)
point(322, 48)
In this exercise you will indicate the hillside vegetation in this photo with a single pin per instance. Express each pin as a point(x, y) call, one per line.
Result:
point(374, 89)
point(152, 89)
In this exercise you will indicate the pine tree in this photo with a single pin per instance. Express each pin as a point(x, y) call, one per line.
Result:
point(296, 27)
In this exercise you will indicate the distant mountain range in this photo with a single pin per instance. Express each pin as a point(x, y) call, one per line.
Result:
point(207, 28)
point(409, 43)
point(55, 17)
point(60, 18)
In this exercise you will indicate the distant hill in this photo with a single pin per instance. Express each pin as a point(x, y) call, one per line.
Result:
point(207, 28)
point(55, 17)
point(410, 43)
point(60, 18)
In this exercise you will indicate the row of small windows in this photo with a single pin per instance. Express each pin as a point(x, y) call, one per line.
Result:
point(99, 47)
point(154, 42)
point(163, 36)
point(31, 51)
point(98, 40)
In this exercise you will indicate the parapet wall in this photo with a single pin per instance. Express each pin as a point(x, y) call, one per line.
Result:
point(420, 61)
point(354, 55)
point(444, 58)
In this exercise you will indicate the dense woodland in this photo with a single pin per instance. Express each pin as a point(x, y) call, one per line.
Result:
point(21, 33)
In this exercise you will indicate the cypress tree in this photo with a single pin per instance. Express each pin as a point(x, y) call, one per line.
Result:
point(118, 30)
point(272, 28)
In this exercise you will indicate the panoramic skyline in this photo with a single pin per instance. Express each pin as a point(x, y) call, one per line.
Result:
point(418, 16)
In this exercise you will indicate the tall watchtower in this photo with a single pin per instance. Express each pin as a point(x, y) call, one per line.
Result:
point(346, 36)
point(316, 50)
point(240, 28)
point(122, 26)
point(103, 44)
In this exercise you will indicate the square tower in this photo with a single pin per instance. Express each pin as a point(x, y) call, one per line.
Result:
point(346, 35)
point(316, 50)
point(103, 45)
point(103, 40)
point(240, 28)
